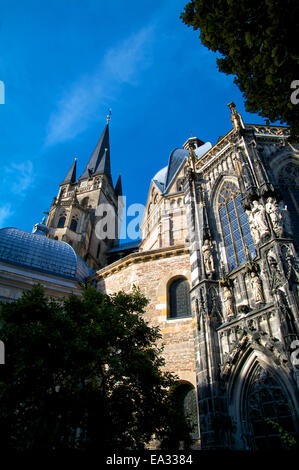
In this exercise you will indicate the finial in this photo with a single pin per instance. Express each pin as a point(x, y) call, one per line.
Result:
point(235, 117)
point(109, 116)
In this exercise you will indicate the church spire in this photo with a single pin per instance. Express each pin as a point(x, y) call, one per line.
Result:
point(118, 187)
point(99, 162)
point(71, 174)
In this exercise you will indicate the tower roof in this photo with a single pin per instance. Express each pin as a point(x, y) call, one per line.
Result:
point(99, 162)
point(71, 174)
point(118, 187)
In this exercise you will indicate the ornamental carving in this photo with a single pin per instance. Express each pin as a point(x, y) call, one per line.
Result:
point(261, 341)
point(259, 219)
point(207, 252)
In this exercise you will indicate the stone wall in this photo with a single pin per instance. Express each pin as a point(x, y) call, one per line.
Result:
point(152, 272)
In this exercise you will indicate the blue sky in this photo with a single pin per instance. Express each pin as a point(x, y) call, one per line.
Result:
point(64, 63)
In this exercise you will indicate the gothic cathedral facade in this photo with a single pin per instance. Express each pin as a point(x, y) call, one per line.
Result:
point(218, 262)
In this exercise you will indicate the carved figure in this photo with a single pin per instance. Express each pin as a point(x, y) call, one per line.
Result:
point(285, 218)
point(275, 214)
point(259, 216)
point(253, 229)
point(257, 288)
point(228, 301)
point(208, 256)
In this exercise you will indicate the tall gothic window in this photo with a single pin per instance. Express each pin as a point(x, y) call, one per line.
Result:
point(73, 225)
point(61, 222)
point(234, 223)
point(179, 299)
point(289, 184)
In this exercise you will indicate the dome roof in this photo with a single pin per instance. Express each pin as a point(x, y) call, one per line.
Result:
point(36, 251)
point(164, 178)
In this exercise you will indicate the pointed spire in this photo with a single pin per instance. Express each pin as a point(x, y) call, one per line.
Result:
point(99, 162)
point(103, 167)
point(235, 117)
point(118, 187)
point(71, 174)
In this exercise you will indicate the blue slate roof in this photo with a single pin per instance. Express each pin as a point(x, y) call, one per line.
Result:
point(99, 162)
point(165, 177)
point(71, 174)
point(177, 157)
point(37, 252)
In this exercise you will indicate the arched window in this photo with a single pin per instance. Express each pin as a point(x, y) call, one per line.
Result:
point(96, 183)
point(266, 402)
point(179, 299)
point(61, 222)
point(73, 225)
point(184, 400)
point(234, 223)
point(179, 185)
point(84, 202)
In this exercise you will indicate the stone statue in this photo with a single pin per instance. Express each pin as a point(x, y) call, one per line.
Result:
point(275, 215)
point(253, 228)
point(272, 259)
point(285, 218)
point(228, 301)
point(259, 217)
point(208, 257)
point(257, 288)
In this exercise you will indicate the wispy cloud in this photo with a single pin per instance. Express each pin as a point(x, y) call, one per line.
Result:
point(20, 176)
point(121, 64)
point(5, 212)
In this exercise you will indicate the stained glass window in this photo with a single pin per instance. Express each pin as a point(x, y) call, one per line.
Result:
point(234, 223)
point(179, 299)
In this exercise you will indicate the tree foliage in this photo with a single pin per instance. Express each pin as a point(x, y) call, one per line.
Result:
point(258, 43)
point(81, 373)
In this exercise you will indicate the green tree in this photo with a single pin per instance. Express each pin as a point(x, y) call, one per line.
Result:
point(258, 43)
point(83, 373)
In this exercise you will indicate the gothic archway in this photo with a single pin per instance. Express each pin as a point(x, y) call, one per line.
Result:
point(268, 412)
point(259, 390)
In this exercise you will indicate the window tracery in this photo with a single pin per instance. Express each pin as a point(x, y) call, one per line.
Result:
point(234, 224)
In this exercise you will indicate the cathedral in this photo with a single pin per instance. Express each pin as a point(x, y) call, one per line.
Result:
point(217, 260)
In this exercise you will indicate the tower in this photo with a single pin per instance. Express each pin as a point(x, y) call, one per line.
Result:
point(85, 212)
